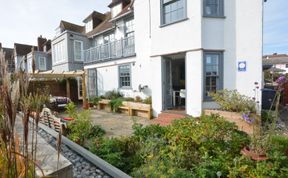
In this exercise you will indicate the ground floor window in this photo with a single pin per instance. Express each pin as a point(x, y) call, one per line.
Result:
point(92, 82)
point(125, 76)
point(213, 73)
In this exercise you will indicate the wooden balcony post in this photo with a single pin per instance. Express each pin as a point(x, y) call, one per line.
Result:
point(84, 92)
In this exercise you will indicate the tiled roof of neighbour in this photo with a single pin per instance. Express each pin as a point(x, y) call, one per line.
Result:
point(23, 49)
point(275, 59)
point(95, 14)
point(105, 25)
point(71, 27)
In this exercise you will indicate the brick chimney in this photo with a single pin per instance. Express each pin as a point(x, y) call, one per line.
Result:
point(41, 41)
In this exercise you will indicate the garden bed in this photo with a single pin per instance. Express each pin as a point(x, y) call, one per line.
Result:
point(237, 119)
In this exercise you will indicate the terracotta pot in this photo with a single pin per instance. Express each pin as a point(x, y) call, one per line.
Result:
point(252, 154)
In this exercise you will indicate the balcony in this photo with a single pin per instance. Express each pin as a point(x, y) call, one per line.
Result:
point(109, 51)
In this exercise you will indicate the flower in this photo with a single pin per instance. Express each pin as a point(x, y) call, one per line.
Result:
point(247, 118)
point(281, 80)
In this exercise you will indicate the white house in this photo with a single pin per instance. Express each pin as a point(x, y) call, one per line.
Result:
point(180, 50)
point(278, 61)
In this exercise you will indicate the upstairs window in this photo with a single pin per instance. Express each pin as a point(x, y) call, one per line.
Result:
point(129, 28)
point(58, 52)
point(172, 11)
point(109, 38)
point(125, 76)
point(42, 63)
point(213, 8)
point(78, 48)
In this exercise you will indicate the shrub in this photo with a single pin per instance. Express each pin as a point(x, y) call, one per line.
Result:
point(148, 100)
point(71, 110)
point(138, 99)
point(94, 100)
point(231, 100)
point(111, 95)
point(115, 104)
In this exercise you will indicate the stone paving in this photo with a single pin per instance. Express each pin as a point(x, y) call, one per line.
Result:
point(117, 124)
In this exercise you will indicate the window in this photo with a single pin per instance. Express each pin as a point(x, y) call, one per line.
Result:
point(286, 65)
point(129, 28)
point(213, 73)
point(89, 26)
point(58, 52)
point(109, 38)
point(213, 8)
point(78, 49)
point(42, 63)
point(172, 11)
point(125, 76)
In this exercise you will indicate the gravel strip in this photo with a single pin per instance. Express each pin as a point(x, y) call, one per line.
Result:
point(81, 167)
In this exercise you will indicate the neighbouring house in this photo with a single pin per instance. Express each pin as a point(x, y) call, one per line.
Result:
point(20, 55)
point(177, 51)
point(278, 61)
point(9, 58)
point(41, 56)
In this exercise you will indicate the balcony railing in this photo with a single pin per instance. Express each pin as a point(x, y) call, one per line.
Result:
point(113, 50)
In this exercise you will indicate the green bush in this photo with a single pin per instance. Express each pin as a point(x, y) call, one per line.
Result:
point(115, 104)
point(148, 100)
point(80, 130)
point(231, 100)
point(111, 95)
point(94, 100)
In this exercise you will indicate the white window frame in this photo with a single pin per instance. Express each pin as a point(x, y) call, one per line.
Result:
point(119, 77)
point(58, 52)
point(80, 89)
point(39, 63)
point(81, 51)
point(168, 2)
point(219, 10)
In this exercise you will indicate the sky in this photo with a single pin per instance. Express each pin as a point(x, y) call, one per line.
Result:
point(22, 21)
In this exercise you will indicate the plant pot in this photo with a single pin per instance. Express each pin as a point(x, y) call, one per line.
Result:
point(252, 154)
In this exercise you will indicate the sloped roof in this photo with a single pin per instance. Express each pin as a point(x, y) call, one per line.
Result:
point(23, 49)
point(275, 59)
point(125, 10)
point(103, 26)
point(95, 14)
point(71, 27)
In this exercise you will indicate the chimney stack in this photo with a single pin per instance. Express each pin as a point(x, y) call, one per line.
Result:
point(41, 41)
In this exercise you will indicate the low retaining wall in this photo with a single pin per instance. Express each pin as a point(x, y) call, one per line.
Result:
point(100, 163)
point(237, 119)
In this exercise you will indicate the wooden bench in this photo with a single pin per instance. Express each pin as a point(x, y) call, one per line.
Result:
point(104, 104)
point(130, 108)
point(50, 120)
point(140, 109)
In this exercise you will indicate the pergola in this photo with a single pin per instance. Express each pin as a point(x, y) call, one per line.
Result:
point(64, 75)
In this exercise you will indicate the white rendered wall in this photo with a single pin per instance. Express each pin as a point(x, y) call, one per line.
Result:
point(177, 37)
point(249, 45)
point(156, 85)
point(194, 83)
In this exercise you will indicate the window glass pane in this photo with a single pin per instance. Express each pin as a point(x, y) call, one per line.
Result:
point(173, 11)
point(77, 50)
point(212, 72)
point(213, 7)
point(124, 76)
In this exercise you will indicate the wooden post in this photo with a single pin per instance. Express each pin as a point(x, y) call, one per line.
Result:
point(68, 94)
point(84, 94)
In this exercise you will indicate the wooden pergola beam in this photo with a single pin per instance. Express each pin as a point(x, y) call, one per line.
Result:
point(64, 75)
